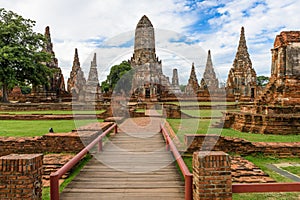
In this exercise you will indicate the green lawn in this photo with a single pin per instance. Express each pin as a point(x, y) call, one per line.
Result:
point(53, 112)
point(267, 196)
point(261, 162)
point(293, 169)
point(201, 126)
point(204, 113)
point(193, 103)
point(140, 110)
point(31, 128)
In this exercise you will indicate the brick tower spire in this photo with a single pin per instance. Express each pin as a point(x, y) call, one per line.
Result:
point(76, 82)
point(241, 81)
point(93, 74)
point(242, 58)
point(209, 77)
point(92, 88)
point(144, 43)
point(192, 86)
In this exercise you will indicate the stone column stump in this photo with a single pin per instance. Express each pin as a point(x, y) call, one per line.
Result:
point(21, 176)
point(211, 176)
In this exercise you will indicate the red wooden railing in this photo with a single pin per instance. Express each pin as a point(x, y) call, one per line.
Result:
point(188, 177)
point(266, 187)
point(54, 177)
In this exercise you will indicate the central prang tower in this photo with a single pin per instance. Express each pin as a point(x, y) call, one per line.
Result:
point(148, 81)
point(144, 42)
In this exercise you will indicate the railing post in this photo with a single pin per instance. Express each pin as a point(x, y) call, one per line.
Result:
point(212, 175)
point(116, 129)
point(167, 145)
point(54, 187)
point(188, 187)
point(100, 145)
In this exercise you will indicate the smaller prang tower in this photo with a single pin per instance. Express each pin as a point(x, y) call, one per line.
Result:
point(76, 82)
point(92, 88)
point(241, 81)
point(192, 87)
point(175, 83)
point(209, 80)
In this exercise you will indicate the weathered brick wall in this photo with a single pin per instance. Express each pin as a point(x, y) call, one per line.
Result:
point(278, 124)
point(241, 146)
point(21, 176)
point(71, 142)
point(211, 175)
point(50, 106)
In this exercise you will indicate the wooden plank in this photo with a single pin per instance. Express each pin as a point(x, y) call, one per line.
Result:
point(132, 166)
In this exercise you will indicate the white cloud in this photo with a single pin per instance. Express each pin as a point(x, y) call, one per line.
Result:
point(74, 24)
point(262, 20)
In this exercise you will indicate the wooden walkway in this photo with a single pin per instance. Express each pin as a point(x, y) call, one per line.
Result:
point(133, 165)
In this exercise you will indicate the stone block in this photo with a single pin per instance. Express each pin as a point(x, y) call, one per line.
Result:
point(21, 176)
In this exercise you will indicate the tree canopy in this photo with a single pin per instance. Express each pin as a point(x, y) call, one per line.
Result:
point(262, 81)
point(21, 57)
point(119, 78)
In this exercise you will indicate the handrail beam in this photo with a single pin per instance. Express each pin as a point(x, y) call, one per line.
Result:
point(188, 176)
point(55, 176)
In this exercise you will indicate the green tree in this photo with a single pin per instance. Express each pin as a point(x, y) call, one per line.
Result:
point(115, 74)
point(262, 81)
point(25, 89)
point(21, 56)
point(182, 87)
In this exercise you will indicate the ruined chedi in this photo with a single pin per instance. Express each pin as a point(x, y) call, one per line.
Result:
point(283, 88)
point(175, 83)
point(76, 82)
point(241, 81)
point(192, 87)
point(209, 80)
point(92, 88)
point(276, 110)
point(149, 82)
point(56, 87)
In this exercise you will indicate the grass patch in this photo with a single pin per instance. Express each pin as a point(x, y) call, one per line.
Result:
point(73, 174)
point(204, 113)
point(189, 162)
point(292, 169)
point(261, 161)
point(201, 126)
point(140, 110)
point(53, 112)
point(31, 128)
point(193, 103)
point(267, 196)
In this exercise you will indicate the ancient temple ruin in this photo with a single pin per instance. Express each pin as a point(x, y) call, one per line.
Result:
point(56, 87)
point(92, 87)
point(175, 83)
point(241, 81)
point(149, 82)
point(192, 87)
point(284, 85)
point(209, 80)
point(76, 82)
point(276, 110)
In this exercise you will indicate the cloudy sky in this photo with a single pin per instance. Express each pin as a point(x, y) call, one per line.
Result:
point(185, 30)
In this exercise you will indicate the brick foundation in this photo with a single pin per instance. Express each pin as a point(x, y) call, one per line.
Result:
point(72, 142)
point(241, 146)
point(211, 175)
point(21, 176)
